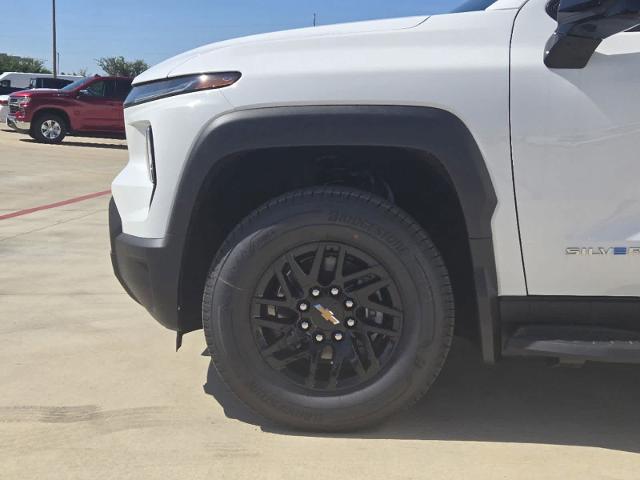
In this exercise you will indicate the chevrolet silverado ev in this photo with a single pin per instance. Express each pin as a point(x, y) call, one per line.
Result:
point(332, 204)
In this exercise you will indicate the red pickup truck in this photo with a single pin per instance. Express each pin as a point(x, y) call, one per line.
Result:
point(89, 106)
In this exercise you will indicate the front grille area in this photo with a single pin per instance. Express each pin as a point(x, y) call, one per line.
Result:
point(13, 105)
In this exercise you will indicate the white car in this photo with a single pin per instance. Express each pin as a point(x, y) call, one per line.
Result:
point(333, 203)
point(4, 108)
point(34, 80)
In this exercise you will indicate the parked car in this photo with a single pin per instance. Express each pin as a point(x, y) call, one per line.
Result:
point(22, 80)
point(9, 90)
point(55, 83)
point(330, 203)
point(87, 106)
point(4, 108)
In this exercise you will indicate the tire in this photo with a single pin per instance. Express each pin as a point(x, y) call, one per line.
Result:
point(392, 342)
point(49, 128)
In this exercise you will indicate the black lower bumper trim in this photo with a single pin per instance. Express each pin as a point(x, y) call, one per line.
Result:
point(148, 269)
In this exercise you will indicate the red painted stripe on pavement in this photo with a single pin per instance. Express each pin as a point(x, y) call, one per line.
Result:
point(27, 211)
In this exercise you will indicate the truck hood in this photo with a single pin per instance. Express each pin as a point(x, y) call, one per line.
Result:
point(178, 64)
point(38, 92)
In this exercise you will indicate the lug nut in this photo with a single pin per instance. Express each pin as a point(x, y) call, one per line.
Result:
point(338, 336)
point(305, 325)
point(335, 291)
point(351, 322)
point(319, 338)
point(303, 307)
point(349, 304)
point(315, 292)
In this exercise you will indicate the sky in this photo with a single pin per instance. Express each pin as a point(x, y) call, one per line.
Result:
point(153, 30)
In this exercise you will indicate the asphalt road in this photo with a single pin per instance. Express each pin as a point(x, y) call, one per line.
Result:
point(91, 387)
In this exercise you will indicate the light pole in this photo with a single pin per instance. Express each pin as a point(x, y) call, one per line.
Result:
point(55, 50)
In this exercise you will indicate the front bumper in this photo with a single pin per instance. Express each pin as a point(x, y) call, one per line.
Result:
point(17, 124)
point(148, 269)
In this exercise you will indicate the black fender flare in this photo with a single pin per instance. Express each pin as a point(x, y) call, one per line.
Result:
point(436, 132)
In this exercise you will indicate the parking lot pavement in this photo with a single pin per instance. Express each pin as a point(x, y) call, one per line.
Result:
point(91, 387)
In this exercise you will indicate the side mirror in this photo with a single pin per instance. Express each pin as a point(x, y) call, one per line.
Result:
point(84, 93)
point(583, 25)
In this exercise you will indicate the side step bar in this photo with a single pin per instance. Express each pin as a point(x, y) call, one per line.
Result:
point(583, 343)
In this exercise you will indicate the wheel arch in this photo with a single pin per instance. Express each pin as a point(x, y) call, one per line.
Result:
point(54, 110)
point(429, 136)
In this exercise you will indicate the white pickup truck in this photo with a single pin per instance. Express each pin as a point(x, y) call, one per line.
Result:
point(333, 204)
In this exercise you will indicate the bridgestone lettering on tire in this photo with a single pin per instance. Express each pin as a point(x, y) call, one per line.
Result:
point(328, 309)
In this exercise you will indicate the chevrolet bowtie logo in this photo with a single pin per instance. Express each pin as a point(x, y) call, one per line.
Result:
point(327, 314)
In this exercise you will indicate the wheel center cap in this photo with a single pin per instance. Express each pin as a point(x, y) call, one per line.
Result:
point(327, 314)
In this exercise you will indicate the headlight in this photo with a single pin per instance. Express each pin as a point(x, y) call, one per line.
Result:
point(23, 101)
point(146, 92)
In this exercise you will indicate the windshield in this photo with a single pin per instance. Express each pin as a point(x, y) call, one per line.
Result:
point(473, 6)
point(72, 86)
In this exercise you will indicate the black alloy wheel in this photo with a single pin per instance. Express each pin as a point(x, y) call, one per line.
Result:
point(328, 309)
point(327, 316)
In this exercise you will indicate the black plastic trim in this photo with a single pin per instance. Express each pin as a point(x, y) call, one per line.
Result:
point(603, 329)
point(432, 131)
point(612, 312)
point(583, 25)
point(577, 344)
point(148, 269)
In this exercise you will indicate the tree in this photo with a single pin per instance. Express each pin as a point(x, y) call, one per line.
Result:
point(14, 63)
point(83, 72)
point(122, 67)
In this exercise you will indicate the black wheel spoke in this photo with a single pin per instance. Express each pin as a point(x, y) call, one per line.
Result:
point(376, 307)
point(273, 324)
point(371, 354)
point(342, 254)
point(285, 362)
point(336, 367)
point(286, 289)
point(317, 263)
point(387, 332)
point(374, 270)
point(356, 362)
point(298, 274)
point(277, 346)
point(271, 302)
point(313, 368)
point(365, 291)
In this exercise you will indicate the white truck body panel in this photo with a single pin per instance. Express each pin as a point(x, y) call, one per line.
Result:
point(507, 4)
point(576, 138)
point(456, 62)
point(170, 67)
point(565, 125)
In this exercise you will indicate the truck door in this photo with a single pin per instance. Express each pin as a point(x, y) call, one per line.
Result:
point(576, 161)
point(95, 110)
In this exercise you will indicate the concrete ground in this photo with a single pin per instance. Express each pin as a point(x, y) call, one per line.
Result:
point(91, 387)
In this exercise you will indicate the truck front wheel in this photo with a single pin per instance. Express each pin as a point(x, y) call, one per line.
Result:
point(328, 309)
point(48, 128)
